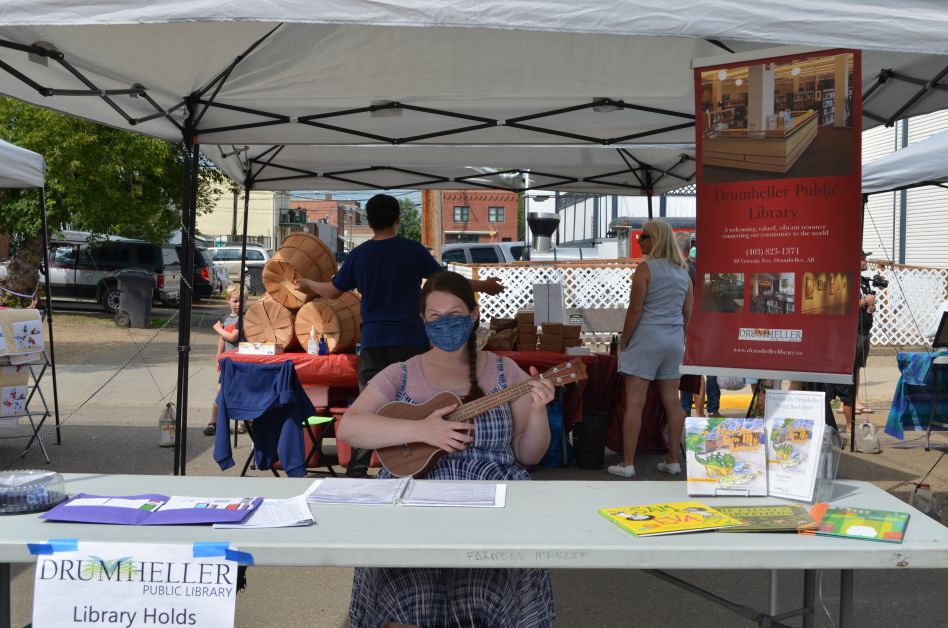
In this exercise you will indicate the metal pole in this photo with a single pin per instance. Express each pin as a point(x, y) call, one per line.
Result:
point(49, 313)
point(248, 182)
point(188, 219)
point(809, 598)
point(649, 190)
point(846, 581)
point(5, 605)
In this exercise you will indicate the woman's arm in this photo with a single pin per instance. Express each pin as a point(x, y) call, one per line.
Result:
point(640, 280)
point(688, 304)
point(362, 427)
point(531, 427)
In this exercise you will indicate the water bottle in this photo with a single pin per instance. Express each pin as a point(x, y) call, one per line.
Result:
point(312, 346)
point(323, 346)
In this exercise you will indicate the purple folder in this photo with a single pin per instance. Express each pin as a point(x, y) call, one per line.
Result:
point(152, 511)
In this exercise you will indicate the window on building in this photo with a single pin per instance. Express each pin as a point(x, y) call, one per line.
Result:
point(462, 214)
point(495, 214)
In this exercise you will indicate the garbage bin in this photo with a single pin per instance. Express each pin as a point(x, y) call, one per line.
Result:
point(253, 280)
point(136, 291)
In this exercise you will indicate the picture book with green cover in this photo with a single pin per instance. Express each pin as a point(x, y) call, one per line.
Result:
point(670, 518)
point(861, 523)
point(726, 456)
point(786, 518)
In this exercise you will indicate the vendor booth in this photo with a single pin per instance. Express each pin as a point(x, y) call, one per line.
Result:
point(285, 93)
point(21, 168)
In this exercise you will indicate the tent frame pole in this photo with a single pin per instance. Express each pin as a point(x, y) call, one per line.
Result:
point(49, 311)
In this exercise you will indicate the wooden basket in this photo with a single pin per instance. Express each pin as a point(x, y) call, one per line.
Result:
point(300, 255)
point(337, 320)
point(268, 321)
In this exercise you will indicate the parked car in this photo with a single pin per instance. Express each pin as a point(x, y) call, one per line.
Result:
point(229, 256)
point(205, 283)
point(80, 269)
point(485, 253)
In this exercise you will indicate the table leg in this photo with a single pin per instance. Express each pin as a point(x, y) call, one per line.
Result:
point(5, 610)
point(809, 598)
point(773, 592)
point(846, 585)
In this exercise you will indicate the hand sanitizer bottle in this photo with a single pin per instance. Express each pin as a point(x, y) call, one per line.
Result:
point(312, 346)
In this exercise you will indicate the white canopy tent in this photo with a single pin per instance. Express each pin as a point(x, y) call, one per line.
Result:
point(922, 163)
point(21, 168)
point(441, 93)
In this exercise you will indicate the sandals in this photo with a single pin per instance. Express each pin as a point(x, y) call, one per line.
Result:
point(241, 427)
point(210, 430)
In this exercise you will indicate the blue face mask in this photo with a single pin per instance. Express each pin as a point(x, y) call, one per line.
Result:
point(449, 333)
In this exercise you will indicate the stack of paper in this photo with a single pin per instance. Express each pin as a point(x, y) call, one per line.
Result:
point(358, 491)
point(277, 513)
point(441, 493)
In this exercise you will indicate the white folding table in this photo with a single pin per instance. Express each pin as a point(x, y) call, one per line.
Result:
point(551, 524)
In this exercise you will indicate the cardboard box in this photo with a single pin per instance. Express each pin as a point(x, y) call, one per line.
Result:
point(551, 339)
point(526, 329)
point(554, 348)
point(572, 331)
point(524, 316)
point(528, 339)
point(260, 348)
point(521, 347)
point(553, 328)
point(572, 342)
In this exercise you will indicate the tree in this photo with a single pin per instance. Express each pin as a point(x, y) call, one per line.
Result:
point(410, 222)
point(98, 179)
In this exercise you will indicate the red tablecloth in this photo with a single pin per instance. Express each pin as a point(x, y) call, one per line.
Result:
point(334, 370)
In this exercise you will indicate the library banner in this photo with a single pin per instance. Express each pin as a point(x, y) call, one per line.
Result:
point(779, 225)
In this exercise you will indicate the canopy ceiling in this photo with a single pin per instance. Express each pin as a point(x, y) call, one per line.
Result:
point(20, 168)
point(922, 163)
point(363, 91)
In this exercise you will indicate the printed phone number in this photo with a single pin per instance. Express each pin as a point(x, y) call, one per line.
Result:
point(780, 250)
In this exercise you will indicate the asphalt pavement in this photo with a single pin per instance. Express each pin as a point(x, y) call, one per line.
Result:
point(110, 425)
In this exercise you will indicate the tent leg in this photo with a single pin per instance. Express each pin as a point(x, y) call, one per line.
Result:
point(188, 219)
point(49, 313)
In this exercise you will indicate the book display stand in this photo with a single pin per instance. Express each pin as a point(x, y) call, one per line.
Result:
point(36, 408)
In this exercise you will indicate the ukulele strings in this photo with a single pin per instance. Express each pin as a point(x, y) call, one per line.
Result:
point(479, 406)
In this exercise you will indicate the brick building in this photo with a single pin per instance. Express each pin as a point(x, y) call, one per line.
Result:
point(346, 215)
point(478, 216)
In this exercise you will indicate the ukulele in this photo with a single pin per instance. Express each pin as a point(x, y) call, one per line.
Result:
point(416, 459)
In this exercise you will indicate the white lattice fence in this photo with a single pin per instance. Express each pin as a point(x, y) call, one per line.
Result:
point(906, 308)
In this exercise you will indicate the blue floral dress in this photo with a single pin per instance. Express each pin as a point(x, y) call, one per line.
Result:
point(506, 598)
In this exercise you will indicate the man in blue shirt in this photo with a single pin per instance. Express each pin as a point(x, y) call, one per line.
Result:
point(387, 270)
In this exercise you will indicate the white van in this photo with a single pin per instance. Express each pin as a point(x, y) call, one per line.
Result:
point(485, 253)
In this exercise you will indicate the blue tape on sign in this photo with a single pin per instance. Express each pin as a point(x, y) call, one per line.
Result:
point(210, 548)
point(39, 548)
point(241, 558)
point(53, 545)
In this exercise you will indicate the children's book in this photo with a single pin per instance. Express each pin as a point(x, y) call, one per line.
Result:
point(152, 510)
point(670, 518)
point(861, 523)
point(795, 423)
point(726, 456)
point(786, 518)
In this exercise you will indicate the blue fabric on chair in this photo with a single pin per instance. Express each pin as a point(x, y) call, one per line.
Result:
point(269, 395)
point(915, 392)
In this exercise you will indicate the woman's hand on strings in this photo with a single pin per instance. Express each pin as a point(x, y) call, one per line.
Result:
point(450, 436)
point(542, 390)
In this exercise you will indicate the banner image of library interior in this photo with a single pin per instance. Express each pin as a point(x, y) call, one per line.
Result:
point(772, 293)
point(773, 120)
point(722, 292)
point(826, 293)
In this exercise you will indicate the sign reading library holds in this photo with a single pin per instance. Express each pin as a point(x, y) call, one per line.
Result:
point(134, 586)
point(779, 217)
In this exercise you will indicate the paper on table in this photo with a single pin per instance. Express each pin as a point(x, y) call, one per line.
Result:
point(461, 494)
point(358, 491)
point(277, 513)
